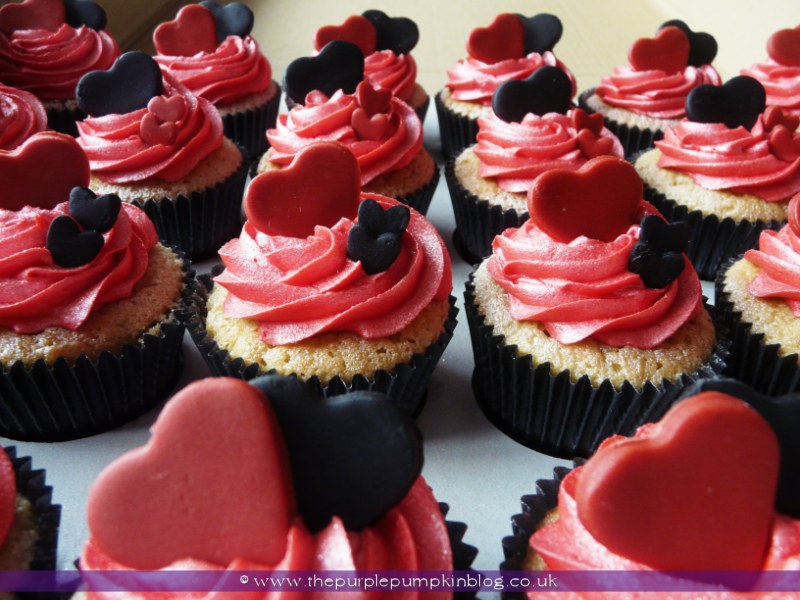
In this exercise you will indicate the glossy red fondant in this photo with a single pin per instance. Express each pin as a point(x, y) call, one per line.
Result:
point(503, 39)
point(192, 31)
point(667, 52)
point(582, 120)
point(373, 99)
point(356, 29)
point(784, 144)
point(784, 47)
point(592, 145)
point(152, 131)
point(32, 14)
point(368, 128)
point(167, 108)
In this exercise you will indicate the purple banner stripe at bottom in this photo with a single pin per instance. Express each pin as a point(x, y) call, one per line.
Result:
point(395, 581)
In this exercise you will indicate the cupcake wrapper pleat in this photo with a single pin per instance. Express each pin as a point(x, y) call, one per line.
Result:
point(65, 121)
point(202, 222)
point(456, 131)
point(477, 221)
point(713, 240)
point(407, 384)
point(751, 361)
point(463, 554)
point(548, 412)
point(249, 128)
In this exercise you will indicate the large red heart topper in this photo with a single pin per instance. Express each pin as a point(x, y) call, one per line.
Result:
point(32, 14)
point(668, 51)
point(42, 171)
point(503, 39)
point(784, 47)
point(356, 29)
point(601, 200)
point(213, 484)
point(193, 30)
point(320, 186)
point(695, 492)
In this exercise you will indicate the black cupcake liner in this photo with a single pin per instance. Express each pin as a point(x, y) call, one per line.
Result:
point(420, 200)
point(65, 401)
point(200, 223)
point(406, 384)
point(456, 131)
point(477, 221)
point(249, 128)
point(463, 554)
point(633, 139)
point(65, 120)
point(422, 109)
point(751, 361)
point(549, 413)
point(713, 240)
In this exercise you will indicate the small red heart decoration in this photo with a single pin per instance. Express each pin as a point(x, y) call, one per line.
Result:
point(42, 171)
point(153, 132)
point(502, 40)
point(582, 120)
point(695, 492)
point(356, 29)
point(214, 472)
point(783, 144)
point(32, 14)
point(8, 494)
point(167, 109)
point(193, 30)
point(774, 116)
point(373, 100)
point(668, 51)
point(600, 200)
point(784, 47)
point(592, 145)
point(366, 127)
point(794, 214)
point(320, 186)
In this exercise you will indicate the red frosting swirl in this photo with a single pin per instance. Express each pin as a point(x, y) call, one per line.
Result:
point(21, 115)
point(514, 154)
point(298, 287)
point(234, 70)
point(654, 93)
point(733, 160)
point(778, 258)
point(583, 289)
point(118, 153)
point(781, 82)
point(329, 119)
point(50, 63)
point(474, 81)
point(395, 72)
point(35, 293)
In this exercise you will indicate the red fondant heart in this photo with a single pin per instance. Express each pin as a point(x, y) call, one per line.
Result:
point(774, 116)
point(668, 51)
point(366, 127)
point(784, 47)
point(320, 186)
point(212, 484)
point(784, 144)
point(8, 494)
point(502, 40)
point(356, 29)
point(600, 200)
point(583, 120)
point(695, 492)
point(167, 109)
point(794, 214)
point(373, 100)
point(42, 171)
point(193, 30)
point(592, 145)
point(154, 132)
point(32, 14)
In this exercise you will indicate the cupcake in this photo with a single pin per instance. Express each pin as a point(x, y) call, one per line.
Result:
point(333, 103)
point(46, 47)
point(532, 129)
point(512, 47)
point(728, 169)
point(641, 99)
point(779, 73)
point(208, 49)
point(345, 290)
point(326, 506)
point(759, 296)
point(21, 115)
point(588, 319)
point(386, 43)
point(687, 504)
point(154, 144)
point(89, 339)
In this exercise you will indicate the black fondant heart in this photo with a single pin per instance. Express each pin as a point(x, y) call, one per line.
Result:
point(542, 32)
point(661, 236)
point(398, 34)
point(128, 85)
point(738, 102)
point(376, 253)
point(338, 66)
point(232, 19)
point(354, 456)
point(702, 46)
point(85, 12)
point(377, 220)
point(70, 246)
point(92, 212)
point(783, 415)
point(547, 90)
point(657, 257)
